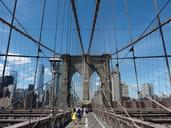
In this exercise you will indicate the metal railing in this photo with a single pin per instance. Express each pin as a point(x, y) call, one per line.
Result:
point(59, 120)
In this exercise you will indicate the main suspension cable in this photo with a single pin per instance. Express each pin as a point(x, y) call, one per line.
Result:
point(77, 25)
point(94, 24)
point(143, 35)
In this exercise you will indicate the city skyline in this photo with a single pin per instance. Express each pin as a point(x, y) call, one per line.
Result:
point(113, 21)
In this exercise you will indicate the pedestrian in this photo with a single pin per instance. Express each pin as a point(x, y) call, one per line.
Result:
point(74, 116)
point(79, 114)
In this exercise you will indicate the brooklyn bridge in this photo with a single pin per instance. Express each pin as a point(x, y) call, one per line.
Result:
point(108, 59)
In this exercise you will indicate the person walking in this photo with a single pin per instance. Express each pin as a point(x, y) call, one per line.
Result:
point(79, 115)
point(74, 117)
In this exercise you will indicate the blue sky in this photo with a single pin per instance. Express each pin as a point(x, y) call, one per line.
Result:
point(112, 20)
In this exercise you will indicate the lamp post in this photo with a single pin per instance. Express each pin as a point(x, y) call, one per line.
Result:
point(54, 69)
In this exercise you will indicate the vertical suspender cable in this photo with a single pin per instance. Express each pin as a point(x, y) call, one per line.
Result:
point(63, 21)
point(77, 25)
point(37, 60)
point(9, 39)
point(94, 24)
point(163, 40)
point(132, 49)
point(116, 45)
point(137, 82)
point(68, 28)
point(56, 28)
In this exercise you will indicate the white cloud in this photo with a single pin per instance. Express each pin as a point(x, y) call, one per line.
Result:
point(18, 60)
point(6, 70)
point(31, 78)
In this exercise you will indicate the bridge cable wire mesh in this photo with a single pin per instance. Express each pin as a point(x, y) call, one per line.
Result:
point(157, 103)
point(56, 27)
point(38, 52)
point(63, 19)
point(26, 34)
point(68, 93)
point(94, 24)
point(144, 34)
point(9, 40)
point(162, 39)
point(37, 43)
point(17, 100)
point(112, 110)
point(77, 25)
point(53, 121)
point(135, 68)
point(120, 106)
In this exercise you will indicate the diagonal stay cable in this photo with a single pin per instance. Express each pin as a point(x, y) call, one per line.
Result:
point(122, 108)
point(23, 27)
point(94, 23)
point(68, 93)
point(77, 25)
point(43, 113)
point(111, 108)
point(143, 35)
point(19, 100)
point(25, 34)
point(38, 53)
point(164, 107)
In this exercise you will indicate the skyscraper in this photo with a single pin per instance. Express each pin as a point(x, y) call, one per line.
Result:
point(13, 87)
point(147, 89)
point(40, 81)
point(7, 87)
point(125, 90)
point(116, 87)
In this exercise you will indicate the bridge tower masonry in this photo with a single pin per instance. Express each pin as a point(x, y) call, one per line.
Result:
point(85, 65)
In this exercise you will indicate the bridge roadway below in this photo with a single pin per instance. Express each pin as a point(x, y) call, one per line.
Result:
point(89, 120)
point(19, 119)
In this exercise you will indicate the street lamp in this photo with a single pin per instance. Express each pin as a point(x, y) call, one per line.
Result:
point(54, 69)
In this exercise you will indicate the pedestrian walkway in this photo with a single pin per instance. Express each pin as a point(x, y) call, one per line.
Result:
point(88, 121)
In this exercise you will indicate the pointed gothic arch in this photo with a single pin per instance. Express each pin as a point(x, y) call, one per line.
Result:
point(85, 65)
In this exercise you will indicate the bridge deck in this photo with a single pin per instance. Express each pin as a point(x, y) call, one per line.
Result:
point(88, 121)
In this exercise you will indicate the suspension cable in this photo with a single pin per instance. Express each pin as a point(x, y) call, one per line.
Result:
point(140, 92)
point(77, 25)
point(9, 40)
point(38, 43)
point(143, 35)
point(62, 33)
point(25, 34)
point(16, 101)
point(137, 83)
point(111, 109)
point(38, 52)
point(56, 27)
point(94, 24)
point(111, 106)
point(123, 108)
point(164, 107)
point(163, 40)
point(132, 49)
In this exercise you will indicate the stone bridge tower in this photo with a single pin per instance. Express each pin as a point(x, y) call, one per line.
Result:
point(85, 65)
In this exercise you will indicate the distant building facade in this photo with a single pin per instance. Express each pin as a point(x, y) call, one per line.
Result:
point(116, 86)
point(147, 90)
point(8, 85)
point(30, 99)
point(47, 94)
point(40, 82)
point(125, 90)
